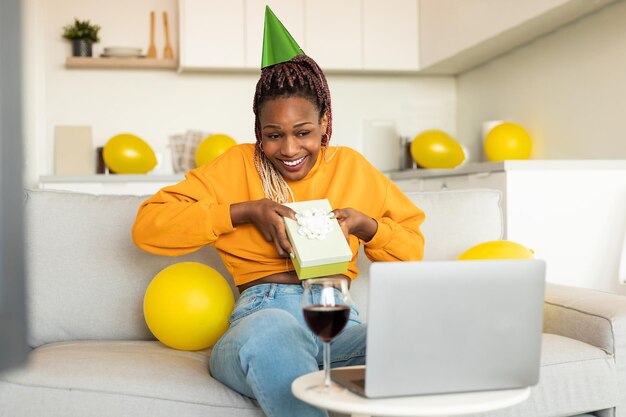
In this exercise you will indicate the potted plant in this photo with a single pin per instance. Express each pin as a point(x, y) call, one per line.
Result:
point(82, 34)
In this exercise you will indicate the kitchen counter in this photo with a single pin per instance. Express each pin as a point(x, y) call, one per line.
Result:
point(111, 178)
point(137, 184)
point(489, 167)
point(124, 183)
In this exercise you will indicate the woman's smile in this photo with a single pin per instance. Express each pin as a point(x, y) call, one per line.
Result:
point(294, 164)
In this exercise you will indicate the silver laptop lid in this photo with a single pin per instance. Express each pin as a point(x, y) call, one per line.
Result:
point(453, 326)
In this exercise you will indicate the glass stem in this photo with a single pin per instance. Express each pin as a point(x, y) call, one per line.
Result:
point(327, 365)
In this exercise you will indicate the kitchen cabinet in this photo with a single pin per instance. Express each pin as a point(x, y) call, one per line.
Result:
point(414, 36)
point(390, 35)
point(351, 35)
point(333, 34)
point(456, 36)
point(571, 213)
point(212, 34)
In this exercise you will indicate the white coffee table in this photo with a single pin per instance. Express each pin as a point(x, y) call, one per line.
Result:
point(418, 406)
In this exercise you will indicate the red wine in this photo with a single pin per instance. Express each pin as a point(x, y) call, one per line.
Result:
point(325, 321)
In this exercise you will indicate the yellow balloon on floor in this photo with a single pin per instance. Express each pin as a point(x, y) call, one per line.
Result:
point(213, 146)
point(128, 154)
point(507, 141)
point(187, 306)
point(497, 249)
point(436, 149)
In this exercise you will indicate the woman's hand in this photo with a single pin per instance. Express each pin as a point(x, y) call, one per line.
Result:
point(267, 216)
point(353, 222)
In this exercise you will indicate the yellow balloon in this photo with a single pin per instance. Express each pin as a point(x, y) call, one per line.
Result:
point(128, 154)
point(507, 141)
point(497, 249)
point(436, 149)
point(213, 146)
point(187, 306)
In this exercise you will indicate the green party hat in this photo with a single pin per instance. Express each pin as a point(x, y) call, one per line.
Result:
point(278, 45)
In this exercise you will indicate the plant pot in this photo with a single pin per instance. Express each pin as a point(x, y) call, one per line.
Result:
point(81, 47)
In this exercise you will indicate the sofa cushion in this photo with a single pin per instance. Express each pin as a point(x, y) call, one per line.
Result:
point(100, 276)
point(457, 220)
point(85, 276)
point(129, 372)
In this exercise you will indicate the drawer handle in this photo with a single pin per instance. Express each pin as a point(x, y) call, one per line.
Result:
point(444, 186)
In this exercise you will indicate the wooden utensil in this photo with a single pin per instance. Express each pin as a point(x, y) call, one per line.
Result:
point(152, 48)
point(167, 51)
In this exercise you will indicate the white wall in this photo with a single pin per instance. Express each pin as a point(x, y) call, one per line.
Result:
point(567, 88)
point(155, 104)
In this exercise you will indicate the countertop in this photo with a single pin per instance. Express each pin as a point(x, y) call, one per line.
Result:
point(112, 178)
point(487, 167)
point(469, 168)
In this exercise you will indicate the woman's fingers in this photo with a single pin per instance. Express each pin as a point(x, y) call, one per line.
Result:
point(344, 229)
point(284, 242)
point(281, 241)
point(285, 211)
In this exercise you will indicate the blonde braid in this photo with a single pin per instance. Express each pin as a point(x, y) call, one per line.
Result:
point(274, 185)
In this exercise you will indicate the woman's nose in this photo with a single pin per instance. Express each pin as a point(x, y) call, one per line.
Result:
point(290, 146)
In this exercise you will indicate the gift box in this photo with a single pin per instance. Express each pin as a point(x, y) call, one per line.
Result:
point(320, 246)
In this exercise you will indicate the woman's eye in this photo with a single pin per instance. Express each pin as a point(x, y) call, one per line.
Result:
point(303, 133)
point(273, 136)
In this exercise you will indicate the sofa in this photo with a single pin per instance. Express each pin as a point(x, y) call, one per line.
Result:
point(93, 355)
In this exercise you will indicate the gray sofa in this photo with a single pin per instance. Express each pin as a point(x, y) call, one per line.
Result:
point(94, 356)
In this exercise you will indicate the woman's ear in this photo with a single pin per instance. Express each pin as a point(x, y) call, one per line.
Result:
point(324, 123)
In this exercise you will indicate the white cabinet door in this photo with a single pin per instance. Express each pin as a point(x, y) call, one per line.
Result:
point(390, 35)
point(333, 33)
point(456, 35)
point(574, 219)
point(570, 213)
point(289, 12)
point(346, 35)
point(211, 34)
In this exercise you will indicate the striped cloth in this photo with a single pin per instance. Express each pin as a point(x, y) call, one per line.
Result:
point(184, 147)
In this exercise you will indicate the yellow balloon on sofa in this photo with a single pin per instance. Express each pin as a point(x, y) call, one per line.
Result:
point(187, 306)
point(436, 149)
point(128, 154)
point(497, 249)
point(507, 141)
point(213, 146)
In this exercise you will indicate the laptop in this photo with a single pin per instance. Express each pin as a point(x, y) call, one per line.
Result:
point(450, 326)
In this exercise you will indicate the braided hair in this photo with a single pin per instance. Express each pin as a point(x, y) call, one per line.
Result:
point(298, 77)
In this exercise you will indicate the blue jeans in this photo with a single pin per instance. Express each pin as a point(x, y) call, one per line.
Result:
point(268, 345)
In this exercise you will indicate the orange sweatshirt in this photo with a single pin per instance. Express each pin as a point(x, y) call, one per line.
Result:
point(181, 218)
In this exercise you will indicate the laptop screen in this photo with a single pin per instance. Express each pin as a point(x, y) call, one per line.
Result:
point(452, 326)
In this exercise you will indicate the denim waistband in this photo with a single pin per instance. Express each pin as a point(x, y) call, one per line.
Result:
point(273, 289)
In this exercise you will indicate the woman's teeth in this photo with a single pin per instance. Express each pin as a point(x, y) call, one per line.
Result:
point(293, 163)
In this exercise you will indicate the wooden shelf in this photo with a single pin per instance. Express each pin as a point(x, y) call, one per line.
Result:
point(121, 63)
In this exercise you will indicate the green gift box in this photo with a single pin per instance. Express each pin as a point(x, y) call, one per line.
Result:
point(319, 244)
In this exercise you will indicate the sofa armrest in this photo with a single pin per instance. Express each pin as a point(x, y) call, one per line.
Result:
point(591, 316)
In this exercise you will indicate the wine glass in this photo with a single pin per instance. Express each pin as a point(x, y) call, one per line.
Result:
point(326, 308)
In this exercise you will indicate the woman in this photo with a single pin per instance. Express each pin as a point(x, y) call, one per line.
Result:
point(234, 203)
